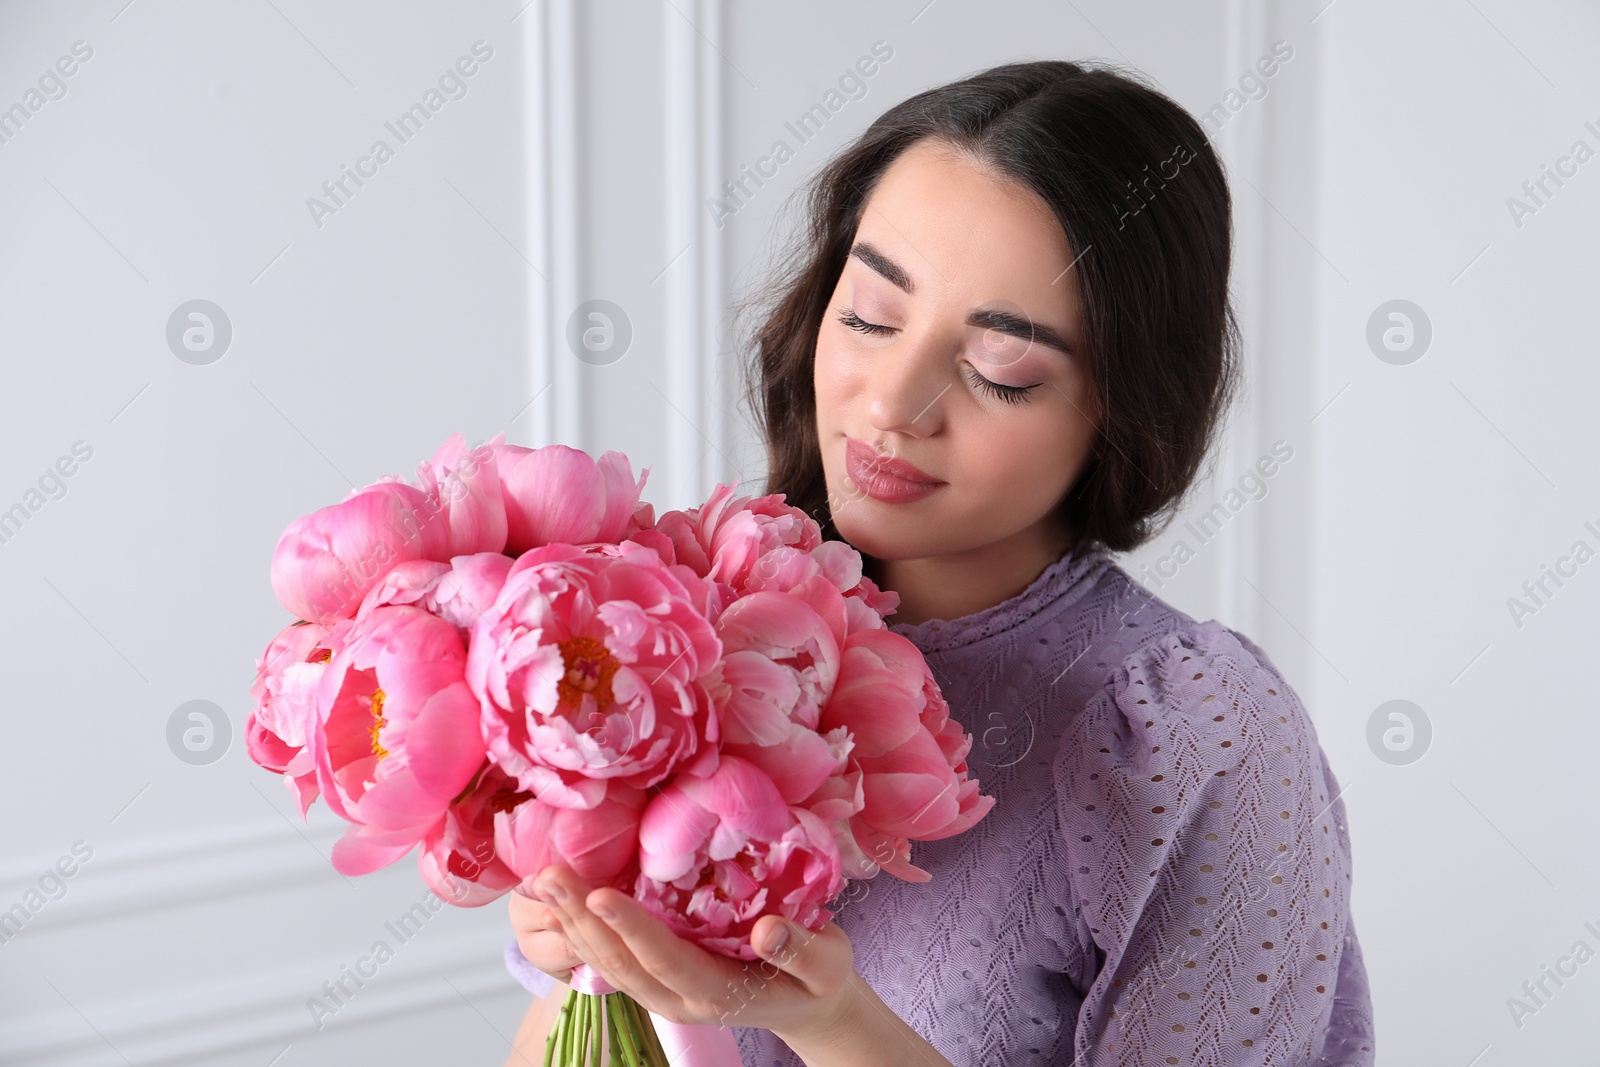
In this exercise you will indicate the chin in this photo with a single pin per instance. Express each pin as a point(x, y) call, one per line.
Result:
point(883, 539)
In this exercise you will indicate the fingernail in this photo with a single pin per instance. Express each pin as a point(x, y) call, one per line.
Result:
point(777, 940)
point(555, 891)
point(605, 913)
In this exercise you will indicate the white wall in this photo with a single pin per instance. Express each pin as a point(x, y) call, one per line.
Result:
point(577, 167)
point(1440, 487)
point(177, 166)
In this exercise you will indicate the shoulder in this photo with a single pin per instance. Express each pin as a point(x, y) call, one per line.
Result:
point(1193, 699)
point(1203, 840)
point(1190, 729)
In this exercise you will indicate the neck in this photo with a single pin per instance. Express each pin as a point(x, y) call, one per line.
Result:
point(962, 583)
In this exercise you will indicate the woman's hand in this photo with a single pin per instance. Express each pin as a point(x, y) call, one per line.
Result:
point(539, 935)
point(805, 987)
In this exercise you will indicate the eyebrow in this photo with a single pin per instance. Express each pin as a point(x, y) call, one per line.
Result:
point(993, 319)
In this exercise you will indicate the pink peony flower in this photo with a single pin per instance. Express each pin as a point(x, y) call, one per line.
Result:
point(600, 843)
point(463, 486)
point(459, 861)
point(746, 545)
point(780, 661)
point(326, 561)
point(724, 537)
point(557, 494)
point(513, 663)
point(459, 591)
point(284, 695)
point(589, 667)
point(717, 853)
point(395, 738)
point(911, 754)
point(865, 603)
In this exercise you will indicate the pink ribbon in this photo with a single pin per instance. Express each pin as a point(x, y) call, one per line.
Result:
point(585, 979)
point(685, 1044)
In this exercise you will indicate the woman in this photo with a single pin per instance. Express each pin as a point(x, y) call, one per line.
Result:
point(1003, 353)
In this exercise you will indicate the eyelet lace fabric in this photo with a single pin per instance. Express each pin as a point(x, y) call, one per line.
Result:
point(1165, 876)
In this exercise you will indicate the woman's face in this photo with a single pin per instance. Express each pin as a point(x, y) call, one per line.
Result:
point(952, 343)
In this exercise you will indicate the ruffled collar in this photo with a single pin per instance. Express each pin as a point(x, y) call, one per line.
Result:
point(1068, 577)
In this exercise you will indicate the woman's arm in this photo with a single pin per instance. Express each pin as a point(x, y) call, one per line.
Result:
point(1208, 854)
point(868, 1035)
point(813, 999)
point(528, 1049)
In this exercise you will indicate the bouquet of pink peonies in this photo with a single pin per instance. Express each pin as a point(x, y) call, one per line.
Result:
point(514, 663)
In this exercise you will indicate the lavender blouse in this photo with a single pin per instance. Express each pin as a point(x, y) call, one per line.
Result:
point(1165, 875)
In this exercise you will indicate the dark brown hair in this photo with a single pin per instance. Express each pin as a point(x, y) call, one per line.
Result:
point(1144, 204)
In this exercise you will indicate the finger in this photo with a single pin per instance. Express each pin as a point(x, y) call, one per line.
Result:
point(554, 888)
point(684, 969)
point(597, 944)
point(532, 916)
point(552, 957)
point(550, 950)
point(540, 916)
point(560, 974)
point(819, 959)
point(522, 897)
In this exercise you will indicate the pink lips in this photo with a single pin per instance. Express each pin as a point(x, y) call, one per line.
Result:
point(885, 478)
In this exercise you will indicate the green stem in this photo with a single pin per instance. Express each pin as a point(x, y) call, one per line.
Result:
point(611, 1035)
point(571, 1007)
point(630, 1051)
point(556, 1044)
point(582, 1044)
point(630, 1028)
point(550, 1042)
point(651, 1052)
point(597, 1017)
point(649, 1026)
point(655, 1055)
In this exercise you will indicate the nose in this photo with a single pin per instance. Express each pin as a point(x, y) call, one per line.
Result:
point(906, 387)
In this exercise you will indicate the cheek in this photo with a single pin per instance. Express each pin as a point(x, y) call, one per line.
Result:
point(833, 377)
point(1027, 463)
point(823, 377)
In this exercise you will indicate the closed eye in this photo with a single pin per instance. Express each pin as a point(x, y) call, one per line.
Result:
point(855, 322)
point(1011, 394)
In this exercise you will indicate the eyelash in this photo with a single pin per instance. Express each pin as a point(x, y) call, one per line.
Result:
point(1011, 394)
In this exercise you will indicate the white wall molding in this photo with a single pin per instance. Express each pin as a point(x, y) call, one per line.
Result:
point(154, 874)
point(260, 1007)
point(202, 1021)
point(550, 38)
point(692, 286)
point(1241, 144)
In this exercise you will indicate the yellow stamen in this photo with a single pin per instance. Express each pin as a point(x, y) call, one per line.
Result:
point(589, 667)
point(379, 722)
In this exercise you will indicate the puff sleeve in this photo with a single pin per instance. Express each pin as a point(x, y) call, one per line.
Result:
point(527, 975)
point(1207, 857)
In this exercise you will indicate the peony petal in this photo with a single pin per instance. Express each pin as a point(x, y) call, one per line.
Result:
point(444, 745)
point(744, 796)
point(552, 494)
point(755, 696)
point(362, 851)
point(798, 765)
point(672, 829)
point(601, 843)
point(621, 496)
point(522, 837)
point(912, 805)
